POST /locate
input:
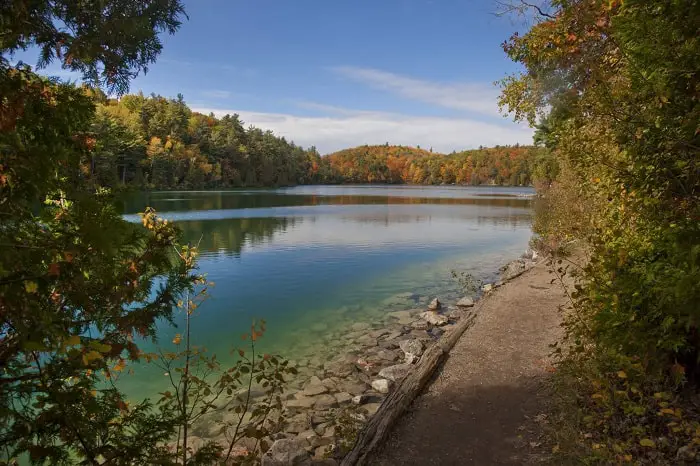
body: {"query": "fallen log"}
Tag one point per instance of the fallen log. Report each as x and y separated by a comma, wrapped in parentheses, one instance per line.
(394, 405)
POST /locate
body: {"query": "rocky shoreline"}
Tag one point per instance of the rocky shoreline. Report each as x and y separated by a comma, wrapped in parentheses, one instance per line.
(339, 389)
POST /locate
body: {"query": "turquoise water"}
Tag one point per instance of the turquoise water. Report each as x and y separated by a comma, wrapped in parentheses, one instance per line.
(324, 257)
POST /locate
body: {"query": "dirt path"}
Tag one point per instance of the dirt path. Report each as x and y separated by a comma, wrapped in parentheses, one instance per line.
(480, 408)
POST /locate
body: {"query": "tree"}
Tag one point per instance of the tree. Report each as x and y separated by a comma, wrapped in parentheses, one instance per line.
(613, 89)
(77, 283)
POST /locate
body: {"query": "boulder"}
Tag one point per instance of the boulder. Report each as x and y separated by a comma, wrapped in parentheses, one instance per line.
(434, 318)
(465, 302)
(301, 402)
(396, 373)
(323, 402)
(340, 368)
(381, 385)
(286, 452)
(434, 305)
(343, 398)
(298, 423)
(314, 387)
(413, 349)
(387, 355)
(353, 387)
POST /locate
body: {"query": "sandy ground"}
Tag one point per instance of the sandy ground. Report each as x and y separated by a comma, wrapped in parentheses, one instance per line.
(481, 407)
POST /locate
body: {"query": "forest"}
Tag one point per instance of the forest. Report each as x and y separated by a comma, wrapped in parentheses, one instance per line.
(151, 142)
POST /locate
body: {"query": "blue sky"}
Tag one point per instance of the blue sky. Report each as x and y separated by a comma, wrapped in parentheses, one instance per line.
(341, 73)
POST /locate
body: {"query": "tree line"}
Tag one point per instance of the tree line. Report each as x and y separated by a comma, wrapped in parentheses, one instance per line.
(152, 142)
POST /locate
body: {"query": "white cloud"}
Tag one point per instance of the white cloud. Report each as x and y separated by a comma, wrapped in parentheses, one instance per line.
(472, 97)
(349, 128)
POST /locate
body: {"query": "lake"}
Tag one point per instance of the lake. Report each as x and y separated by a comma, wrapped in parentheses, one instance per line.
(311, 259)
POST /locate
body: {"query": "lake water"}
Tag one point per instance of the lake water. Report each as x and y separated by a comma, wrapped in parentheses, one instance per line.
(313, 258)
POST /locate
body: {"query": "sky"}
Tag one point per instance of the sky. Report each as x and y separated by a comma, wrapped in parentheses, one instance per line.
(343, 73)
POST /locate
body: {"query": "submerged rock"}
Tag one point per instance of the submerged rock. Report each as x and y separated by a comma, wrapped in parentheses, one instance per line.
(434, 318)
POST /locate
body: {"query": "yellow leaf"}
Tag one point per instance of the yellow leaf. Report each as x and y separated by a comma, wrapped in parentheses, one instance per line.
(119, 366)
(622, 375)
(645, 442)
(91, 356)
(31, 287)
(72, 341)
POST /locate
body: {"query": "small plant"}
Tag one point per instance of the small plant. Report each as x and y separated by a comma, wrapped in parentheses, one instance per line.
(203, 394)
(348, 422)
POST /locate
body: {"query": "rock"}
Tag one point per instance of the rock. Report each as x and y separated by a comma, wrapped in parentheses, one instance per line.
(298, 423)
(343, 398)
(353, 387)
(388, 355)
(393, 335)
(413, 349)
(436, 332)
(371, 408)
(360, 399)
(301, 402)
(340, 368)
(329, 432)
(530, 254)
(434, 305)
(323, 402)
(465, 302)
(314, 387)
(434, 318)
(399, 314)
(515, 268)
(379, 333)
(306, 435)
(421, 324)
(395, 373)
(359, 326)
(286, 452)
(323, 452)
(323, 462)
(381, 385)
(487, 287)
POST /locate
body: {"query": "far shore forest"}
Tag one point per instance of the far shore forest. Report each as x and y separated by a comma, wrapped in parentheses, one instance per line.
(153, 142)
(612, 88)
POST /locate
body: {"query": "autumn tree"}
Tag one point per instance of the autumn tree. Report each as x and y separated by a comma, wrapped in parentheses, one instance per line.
(78, 285)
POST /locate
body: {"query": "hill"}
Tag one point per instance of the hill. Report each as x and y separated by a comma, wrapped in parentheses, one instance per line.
(500, 165)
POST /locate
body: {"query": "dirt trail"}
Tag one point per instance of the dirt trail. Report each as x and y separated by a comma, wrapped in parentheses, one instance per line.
(479, 409)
